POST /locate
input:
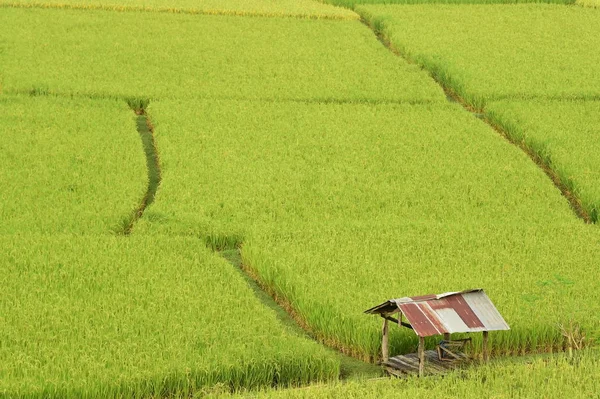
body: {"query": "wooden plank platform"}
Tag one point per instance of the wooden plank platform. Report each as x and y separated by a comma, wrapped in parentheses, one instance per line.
(404, 365)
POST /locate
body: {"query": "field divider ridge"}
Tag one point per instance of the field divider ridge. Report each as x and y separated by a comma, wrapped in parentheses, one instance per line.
(230, 249)
(561, 181)
(455, 94)
(169, 10)
(323, 101)
(146, 132)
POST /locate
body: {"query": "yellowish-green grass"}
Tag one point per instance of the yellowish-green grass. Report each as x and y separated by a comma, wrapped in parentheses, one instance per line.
(275, 8)
(542, 377)
(354, 3)
(96, 53)
(486, 53)
(589, 3)
(101, 316)
(339, 207)
(68, 165)
(566, 134)
(337, 167)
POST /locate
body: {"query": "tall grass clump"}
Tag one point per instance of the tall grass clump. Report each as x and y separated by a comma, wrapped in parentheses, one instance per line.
(588, 3)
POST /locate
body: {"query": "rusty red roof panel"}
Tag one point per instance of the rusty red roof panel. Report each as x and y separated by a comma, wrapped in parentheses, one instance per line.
(419, 320)
(465, 311)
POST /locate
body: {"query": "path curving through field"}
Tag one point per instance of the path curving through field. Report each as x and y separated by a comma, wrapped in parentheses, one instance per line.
(146, 132)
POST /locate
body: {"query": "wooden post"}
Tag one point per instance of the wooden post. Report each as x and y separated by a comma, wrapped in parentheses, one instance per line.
(385, 354)
(421, 356)
(485, 346)
(446, 336)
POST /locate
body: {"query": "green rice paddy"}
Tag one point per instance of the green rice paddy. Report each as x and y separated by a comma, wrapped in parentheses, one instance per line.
(68, 165)
(271, 8)
(566, 134)
(201, 198)
(101, 316)
(535, 378)
(94, 53)
(354, 195)
(589, 3)
(354, 3)
(519, 54)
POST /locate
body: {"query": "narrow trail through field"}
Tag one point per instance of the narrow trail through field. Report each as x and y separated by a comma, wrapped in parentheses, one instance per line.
(574, 202)
(351, 368)
(146, 132)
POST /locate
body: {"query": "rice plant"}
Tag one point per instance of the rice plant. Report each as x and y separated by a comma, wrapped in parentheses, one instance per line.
(589, 3)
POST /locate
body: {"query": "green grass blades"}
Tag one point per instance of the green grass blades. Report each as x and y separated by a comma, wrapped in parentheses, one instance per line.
(589, 3)
(353, 3)
(486, 53)
(535, 377)
(68, 165)
(374, 202)
(138, 317)
(274, 8)
(566, 134)
(199, 56)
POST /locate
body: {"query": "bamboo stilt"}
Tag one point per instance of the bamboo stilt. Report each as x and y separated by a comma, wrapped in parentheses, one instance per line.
(385, 354)
(421, 356)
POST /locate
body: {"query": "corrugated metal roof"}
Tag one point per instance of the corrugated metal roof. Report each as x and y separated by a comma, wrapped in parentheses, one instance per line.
(450, 312)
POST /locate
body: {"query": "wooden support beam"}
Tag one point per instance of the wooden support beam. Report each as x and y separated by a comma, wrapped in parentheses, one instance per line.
(396, 321)
(485, 346)
(421, 356)
(385, 354)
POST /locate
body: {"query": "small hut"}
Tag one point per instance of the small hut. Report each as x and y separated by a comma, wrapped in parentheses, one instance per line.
(452, 312)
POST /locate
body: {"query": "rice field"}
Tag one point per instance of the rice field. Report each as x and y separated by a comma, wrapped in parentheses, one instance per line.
(231, 57)
(337, 163)
(271, 8)
(74, 165)
(520, 55)
(353, 3)
(326, 155)
(566, 134)
(101, 316)
(373, 206)
(589, 3)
